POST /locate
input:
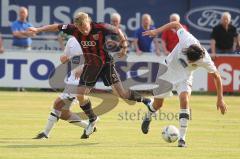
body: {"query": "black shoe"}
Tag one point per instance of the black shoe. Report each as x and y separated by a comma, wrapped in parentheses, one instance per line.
(41, 136)
(145, 125)
(181, 143)
(148, 102)
(85, 136)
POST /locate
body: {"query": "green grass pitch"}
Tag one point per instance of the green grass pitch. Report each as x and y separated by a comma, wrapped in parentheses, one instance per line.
(210, 135)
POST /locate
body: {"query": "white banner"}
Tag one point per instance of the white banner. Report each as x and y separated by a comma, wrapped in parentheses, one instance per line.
(31, 69)
(26, 68)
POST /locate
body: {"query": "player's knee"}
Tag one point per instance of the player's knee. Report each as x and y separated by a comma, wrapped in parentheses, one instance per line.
(58, 104)
(82, 99)
(157, 103)
(123, 95)
(65, 115)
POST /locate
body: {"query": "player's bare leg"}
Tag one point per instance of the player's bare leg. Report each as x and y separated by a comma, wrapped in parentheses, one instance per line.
(155, 106)
(183, 117)
(52, 119)
(73, 118)
(129, 94)
(59, 112)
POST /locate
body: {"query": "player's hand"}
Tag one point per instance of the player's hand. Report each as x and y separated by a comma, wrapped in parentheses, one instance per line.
(151, 33)
(78, 73)
(30, 34)
(33, 30)
(222, 106)
(138, 52)
(166, 53)
(158, 52)
(1, 50)
(64, 58)
(213, 56)
(122, 52)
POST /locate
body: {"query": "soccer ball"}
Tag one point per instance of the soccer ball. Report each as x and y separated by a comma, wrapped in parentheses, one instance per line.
(170, 133)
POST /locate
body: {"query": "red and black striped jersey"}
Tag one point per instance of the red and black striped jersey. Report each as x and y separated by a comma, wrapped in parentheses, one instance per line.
(92, 44)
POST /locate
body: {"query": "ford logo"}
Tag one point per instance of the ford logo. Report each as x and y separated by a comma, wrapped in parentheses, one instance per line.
(205, 18)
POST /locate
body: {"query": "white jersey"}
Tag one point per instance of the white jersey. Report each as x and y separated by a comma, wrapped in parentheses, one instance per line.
(72, 48)
(179, 69)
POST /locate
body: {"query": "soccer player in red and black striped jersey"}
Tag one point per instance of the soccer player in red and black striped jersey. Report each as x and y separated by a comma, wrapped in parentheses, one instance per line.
(98, 62)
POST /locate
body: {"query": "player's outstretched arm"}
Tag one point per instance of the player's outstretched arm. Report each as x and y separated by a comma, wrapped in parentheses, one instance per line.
(123, 43)
(155, 32)
(218, 84)
(45, 28)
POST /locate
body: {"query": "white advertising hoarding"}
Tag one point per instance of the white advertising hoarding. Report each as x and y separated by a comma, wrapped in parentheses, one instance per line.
(31, 69)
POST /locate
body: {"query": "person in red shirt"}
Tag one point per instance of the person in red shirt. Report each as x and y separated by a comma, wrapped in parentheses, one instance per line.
(169, 37)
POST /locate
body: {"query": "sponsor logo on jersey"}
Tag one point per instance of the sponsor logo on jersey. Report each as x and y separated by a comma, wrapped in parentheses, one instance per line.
(183, 62)
(86, 44)
(76, 60)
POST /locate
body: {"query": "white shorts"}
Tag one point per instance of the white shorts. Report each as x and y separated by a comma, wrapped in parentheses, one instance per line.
(183, 86)
(180, 87)
(72, 48)
(171, 80)
(67, 97)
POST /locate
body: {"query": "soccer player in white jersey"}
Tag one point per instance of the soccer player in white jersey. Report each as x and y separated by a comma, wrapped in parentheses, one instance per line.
(186, 57)
(62, 104)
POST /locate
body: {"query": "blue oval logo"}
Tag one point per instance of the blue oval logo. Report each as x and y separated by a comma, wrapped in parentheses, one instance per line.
(205, 18)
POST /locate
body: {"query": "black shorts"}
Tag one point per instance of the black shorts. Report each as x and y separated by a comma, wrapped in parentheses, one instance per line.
(92, 73)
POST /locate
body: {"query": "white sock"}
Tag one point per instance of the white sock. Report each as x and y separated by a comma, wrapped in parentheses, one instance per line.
(76, 120)
(183, 123)
(52, 119)
(152, 108)
(152, 112)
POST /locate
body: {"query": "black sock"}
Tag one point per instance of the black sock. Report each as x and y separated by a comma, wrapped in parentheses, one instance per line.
(146, 100)
(135, 96)
(87, 108)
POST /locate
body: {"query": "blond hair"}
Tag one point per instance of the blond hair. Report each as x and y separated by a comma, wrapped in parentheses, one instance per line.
(146, 15)
(176, 16)
(116, 15)
(227, 14)
(81, 18)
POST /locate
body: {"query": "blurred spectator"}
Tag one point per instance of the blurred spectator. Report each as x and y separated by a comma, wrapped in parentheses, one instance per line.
(224, 36)
(62, 39)
(144, 43)
(1, 44)
(21, 37)
(238, 44)
(116, 21)
(169, 37)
